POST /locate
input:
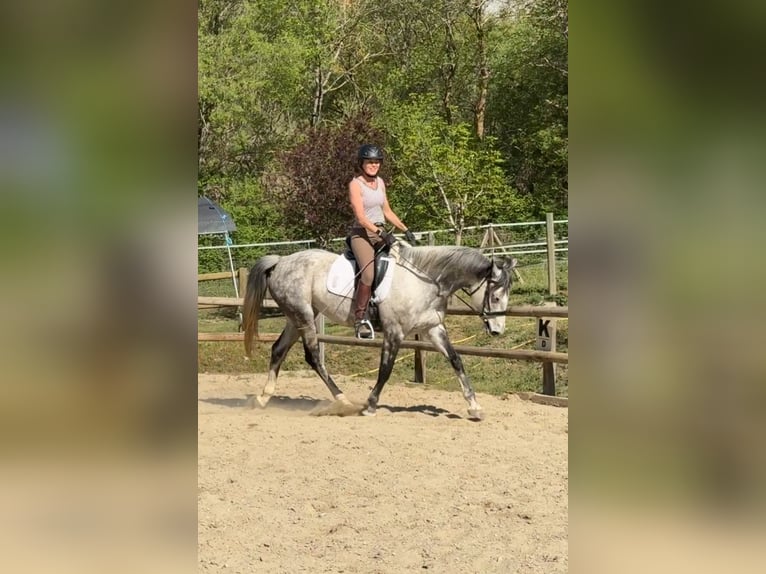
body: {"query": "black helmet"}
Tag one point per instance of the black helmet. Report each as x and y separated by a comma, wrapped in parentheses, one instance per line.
(369, 151)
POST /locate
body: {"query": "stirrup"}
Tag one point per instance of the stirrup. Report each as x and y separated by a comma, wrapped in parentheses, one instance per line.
(364, 329)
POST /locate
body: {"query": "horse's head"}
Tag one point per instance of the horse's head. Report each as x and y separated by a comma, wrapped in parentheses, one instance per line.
(493, 297)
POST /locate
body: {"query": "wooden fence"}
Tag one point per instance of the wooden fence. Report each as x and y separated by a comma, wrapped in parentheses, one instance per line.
(548, 357)
(545, 352)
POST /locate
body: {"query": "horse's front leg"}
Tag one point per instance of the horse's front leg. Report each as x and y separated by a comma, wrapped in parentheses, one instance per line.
(391, 342)
(439, 338)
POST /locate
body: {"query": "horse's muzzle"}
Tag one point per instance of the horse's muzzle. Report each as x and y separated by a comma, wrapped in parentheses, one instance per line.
(494, 331)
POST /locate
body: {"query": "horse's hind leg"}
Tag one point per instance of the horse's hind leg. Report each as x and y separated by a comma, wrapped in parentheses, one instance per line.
(311, 354)
(278, 353)
(439, 338)
(391, 344)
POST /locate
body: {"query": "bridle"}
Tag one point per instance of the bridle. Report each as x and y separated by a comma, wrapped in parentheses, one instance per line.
(485, 313)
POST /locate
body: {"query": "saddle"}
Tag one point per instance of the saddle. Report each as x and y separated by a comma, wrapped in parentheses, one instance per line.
(342, 279)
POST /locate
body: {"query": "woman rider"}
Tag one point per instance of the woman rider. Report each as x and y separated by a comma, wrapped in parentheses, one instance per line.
(367, 194)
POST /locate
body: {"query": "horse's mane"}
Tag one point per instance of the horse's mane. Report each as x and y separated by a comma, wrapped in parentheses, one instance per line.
(448, 265)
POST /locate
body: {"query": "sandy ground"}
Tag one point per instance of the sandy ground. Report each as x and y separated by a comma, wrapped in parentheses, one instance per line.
(418, 487)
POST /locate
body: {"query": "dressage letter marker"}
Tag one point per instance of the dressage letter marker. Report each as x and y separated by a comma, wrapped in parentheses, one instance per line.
(546, 341)
(546, 334)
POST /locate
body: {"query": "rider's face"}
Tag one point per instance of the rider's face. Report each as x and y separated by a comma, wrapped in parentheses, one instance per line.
(370, 166)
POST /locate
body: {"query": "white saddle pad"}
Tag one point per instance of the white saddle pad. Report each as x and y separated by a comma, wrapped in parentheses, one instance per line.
(340, 279)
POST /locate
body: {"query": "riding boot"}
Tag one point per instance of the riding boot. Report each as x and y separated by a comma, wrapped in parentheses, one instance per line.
(362, 326)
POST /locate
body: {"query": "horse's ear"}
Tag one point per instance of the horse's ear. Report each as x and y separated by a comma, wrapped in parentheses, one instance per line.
(509, 263)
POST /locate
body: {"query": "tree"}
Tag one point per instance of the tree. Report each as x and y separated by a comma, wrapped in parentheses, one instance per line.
(337, 31)
(248, 89)
(493, 139)
(478, 14)
(440, 47)
(310, 182)
(530, 94)
(443, 175)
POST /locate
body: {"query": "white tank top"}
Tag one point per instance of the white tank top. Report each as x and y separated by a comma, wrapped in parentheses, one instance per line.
(372, 200)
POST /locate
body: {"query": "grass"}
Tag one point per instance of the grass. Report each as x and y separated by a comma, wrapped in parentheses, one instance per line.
(488, 375)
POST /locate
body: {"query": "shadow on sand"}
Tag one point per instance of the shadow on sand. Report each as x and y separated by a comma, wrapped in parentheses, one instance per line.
(323, 407)
(429, 410)
(301, 403)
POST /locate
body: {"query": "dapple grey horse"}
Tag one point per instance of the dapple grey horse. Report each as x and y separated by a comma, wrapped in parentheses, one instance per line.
(423, 281)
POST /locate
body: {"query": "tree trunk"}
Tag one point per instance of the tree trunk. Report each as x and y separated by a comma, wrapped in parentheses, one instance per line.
(482, 84)
(459, 224)
(318, 96)
(449, 67)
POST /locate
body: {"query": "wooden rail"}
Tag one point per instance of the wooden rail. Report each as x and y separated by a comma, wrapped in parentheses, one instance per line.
(512, 311)
(232, 302)
(526, 355)
(213, 276)
(263, 337)
(548, 358)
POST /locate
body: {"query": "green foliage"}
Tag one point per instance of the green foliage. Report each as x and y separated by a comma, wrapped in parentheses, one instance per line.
(249, 91)
(275, 75)
(444, 177)
(432, 51)
(530, 110)
(316, 172)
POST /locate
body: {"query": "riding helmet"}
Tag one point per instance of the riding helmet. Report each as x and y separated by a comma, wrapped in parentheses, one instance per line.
(369, 151)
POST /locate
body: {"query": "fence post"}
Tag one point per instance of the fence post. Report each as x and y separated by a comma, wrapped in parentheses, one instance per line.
(546, 341)
(243, 274)
(487, 238)
(319, 322)
(420, 364)
(550, 237)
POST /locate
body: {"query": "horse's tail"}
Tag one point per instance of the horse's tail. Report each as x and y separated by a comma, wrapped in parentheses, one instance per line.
(257, 283)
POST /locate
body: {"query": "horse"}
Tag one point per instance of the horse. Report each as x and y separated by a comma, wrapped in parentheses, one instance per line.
(424, 279)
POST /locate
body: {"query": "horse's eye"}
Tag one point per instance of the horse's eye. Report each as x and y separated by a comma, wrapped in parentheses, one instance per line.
(495, 299)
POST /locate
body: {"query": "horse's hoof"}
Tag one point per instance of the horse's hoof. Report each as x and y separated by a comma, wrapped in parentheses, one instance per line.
(476, 414)
(368, 412)
(341, 399)
(260, 401)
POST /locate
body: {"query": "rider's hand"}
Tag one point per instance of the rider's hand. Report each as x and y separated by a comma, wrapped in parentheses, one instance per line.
(387, 237)
(410, 237)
